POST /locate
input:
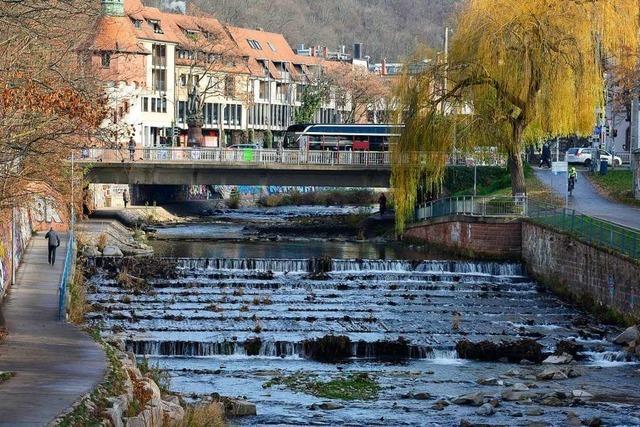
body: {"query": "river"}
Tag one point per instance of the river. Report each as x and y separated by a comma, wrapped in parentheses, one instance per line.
(240, 310)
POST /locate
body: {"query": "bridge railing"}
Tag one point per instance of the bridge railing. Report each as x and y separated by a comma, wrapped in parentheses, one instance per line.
(241, 155)
(485, 206)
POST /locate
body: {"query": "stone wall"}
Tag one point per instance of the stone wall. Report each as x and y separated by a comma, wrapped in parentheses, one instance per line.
(601, 281)
(472, 236)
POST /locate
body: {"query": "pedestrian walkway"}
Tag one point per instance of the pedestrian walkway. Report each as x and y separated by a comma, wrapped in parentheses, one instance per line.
(54, 362)
(587, 200)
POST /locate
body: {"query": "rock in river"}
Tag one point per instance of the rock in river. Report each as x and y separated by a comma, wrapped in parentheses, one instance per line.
(563, 359)
(473, 399)
(629, 335)
(485, 410)
(512, 351)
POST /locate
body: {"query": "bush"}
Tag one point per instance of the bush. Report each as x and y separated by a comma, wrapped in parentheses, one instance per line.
(159, 376)
(102, 241)
(268, 139)
(77, 297)
(234, 199)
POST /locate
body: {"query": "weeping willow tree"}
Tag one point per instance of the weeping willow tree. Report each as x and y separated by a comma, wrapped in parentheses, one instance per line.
(517, 70)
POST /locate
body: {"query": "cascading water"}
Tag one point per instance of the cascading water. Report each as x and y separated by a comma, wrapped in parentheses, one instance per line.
(228, 325)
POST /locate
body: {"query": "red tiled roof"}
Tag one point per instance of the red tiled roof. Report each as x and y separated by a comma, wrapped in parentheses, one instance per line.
(116, 34)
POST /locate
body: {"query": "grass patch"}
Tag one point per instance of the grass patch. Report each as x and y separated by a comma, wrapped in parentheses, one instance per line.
(360, 386)
(6, 376)
(536, 190)
(207, 415)
(77, 296)
(616, 185)
(357, 197)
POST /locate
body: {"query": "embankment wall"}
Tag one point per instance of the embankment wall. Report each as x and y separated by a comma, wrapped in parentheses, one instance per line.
(471, 236)
(600, 280)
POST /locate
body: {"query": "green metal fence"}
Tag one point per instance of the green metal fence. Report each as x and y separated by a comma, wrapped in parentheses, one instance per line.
(603, 233)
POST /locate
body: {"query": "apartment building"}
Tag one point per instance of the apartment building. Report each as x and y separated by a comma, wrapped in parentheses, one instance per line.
(246, 78)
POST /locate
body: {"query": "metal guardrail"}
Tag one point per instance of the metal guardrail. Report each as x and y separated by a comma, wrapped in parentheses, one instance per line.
(593, 230)
(583, 227)
(485, 206)
(241, 155)
(66, 277)
(263, 156)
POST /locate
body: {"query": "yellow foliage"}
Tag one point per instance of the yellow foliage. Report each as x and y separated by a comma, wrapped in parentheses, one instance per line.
(518, 71)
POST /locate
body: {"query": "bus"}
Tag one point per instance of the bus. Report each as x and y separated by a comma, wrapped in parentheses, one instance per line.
(332, 137)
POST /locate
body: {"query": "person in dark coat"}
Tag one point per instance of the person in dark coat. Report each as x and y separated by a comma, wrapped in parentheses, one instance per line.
(54, 242)
(382, 200)
(546, 156)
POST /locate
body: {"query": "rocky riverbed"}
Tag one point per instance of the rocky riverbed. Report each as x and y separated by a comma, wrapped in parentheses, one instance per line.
(318, 332)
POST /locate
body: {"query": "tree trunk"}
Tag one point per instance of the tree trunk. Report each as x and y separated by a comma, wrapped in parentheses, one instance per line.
(516, 167)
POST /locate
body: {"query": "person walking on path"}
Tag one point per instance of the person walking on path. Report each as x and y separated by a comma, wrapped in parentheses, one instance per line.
(54, 242)
(546, 156)
(125, 198)
(382, 200)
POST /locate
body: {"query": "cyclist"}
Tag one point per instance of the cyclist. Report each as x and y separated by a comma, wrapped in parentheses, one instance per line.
(573, 178)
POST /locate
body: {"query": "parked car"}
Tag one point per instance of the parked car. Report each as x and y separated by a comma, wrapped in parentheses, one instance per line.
(584, 155)
(245, 147)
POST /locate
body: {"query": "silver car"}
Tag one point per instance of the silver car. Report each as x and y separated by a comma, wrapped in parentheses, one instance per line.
(584, 155)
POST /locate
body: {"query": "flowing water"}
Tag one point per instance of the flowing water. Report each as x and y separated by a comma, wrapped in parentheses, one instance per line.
(203, 327)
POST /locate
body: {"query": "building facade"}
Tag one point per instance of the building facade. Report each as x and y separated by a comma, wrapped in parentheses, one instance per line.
(247, 79)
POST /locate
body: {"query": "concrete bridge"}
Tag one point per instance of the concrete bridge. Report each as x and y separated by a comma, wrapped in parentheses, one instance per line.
(212, 166)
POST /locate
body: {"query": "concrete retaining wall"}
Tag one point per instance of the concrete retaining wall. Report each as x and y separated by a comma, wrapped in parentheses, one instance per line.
(601, 281)
(472, 236)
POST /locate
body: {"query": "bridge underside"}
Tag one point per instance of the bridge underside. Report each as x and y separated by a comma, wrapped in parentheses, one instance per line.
(148, 173)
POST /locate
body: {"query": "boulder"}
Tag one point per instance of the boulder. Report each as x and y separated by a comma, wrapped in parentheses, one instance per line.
(582, 394)
(511, 351)
(569, 347)
(629, 335)
(238, 407)
(172, 413)
(573, 419)
(511, 395)
(485, 410)
(90, 251)
(112, 251)
(472, 399)
(563, 359)
(490, 381)
(422, 396)
(330, 406)
(534, 412)
(519, 387)
(551, 401)
(118, 406)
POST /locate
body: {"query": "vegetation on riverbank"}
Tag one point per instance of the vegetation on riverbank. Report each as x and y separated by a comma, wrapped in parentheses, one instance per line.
(358, 197)
(616, 185)
(359, 386)
(77, 296)
(210, 415)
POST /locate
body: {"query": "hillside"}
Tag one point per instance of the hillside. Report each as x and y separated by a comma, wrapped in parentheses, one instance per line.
(388, 28)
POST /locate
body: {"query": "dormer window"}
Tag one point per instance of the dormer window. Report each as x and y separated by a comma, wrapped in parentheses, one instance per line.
(254, 44)
(155, 24)
(271, 46)
(137, 23)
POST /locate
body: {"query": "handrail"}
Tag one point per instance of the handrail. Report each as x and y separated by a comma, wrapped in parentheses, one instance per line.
(259, 156)
(66, 275)
(485, 206)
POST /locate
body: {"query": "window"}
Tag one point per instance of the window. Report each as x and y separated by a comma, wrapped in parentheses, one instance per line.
(159, 80)
(182, 111)
(136, 23)
(271, 46)
(155, 24)
(254, 44)
(145, 104)
(106, 59)
(183, 80)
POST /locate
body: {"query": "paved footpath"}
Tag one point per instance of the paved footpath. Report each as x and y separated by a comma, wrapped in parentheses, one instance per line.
(588, 201)
(55, 363)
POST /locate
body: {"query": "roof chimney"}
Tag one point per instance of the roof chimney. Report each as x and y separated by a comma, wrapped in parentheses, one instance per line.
(357, 51)
(384, 67)
(325, 52)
